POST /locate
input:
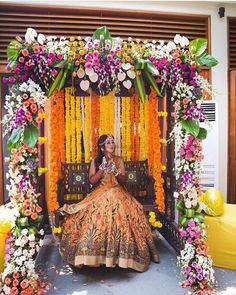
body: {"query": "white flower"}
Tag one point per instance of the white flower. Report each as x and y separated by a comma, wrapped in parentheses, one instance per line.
(41, 38)
(176, 195)
(30, 35)
(170, 46)
(24, 231)
(177, 38)
(184, 41)
(31, 237)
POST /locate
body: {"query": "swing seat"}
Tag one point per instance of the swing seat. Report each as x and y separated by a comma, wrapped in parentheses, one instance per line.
(74, 186)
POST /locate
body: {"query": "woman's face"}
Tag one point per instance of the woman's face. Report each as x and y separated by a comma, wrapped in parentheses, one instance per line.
(109, 145)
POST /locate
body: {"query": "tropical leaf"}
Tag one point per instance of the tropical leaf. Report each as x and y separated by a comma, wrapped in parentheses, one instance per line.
(139, 86)
(191, 126)
(198, 46)
(151, 81)
(207, 60)
(202, 133)
(59, 63)
(56, 82)
(30, 136)
(13, 53)
(65, 76)
(14, 139)
(102, 34)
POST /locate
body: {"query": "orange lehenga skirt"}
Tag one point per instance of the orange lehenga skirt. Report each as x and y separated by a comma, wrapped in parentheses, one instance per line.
(108, 227)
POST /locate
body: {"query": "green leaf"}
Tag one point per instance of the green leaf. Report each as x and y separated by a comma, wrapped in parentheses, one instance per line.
(102, 34)
(31, 134)
(207, 60)
(202, 133)
(14, 139)
(191, 127)
(59, 63)
(13, 53)
(56, 82)
(150, 79)
(65, 76)
(139, 87)
(198, 46)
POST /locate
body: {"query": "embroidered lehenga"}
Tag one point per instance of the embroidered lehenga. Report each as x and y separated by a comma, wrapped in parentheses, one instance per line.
(108, 227)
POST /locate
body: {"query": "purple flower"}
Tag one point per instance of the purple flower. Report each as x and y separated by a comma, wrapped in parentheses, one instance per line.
(11, 80)
(199, 277)
(4, 80)
(187, 269)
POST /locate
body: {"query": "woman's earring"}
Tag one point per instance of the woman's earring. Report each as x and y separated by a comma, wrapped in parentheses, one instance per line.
(102, 149)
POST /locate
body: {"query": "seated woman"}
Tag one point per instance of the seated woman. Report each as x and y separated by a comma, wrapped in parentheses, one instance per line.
(109, 226)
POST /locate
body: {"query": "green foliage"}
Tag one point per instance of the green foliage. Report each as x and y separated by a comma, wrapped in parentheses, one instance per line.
(30, 136)
(13, 53)
(191, 127)
(207, 60)
(102, 34)
(198, 46)
(139, 87)
(202, 133)
(14, 139)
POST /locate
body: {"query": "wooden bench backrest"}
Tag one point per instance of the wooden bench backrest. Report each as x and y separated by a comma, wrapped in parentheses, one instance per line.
(75, 180)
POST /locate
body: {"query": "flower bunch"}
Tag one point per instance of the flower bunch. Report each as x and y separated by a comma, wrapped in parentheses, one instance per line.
(24, 106)
(24, 240)
(153, 221)
(195, 264)
(31, 59)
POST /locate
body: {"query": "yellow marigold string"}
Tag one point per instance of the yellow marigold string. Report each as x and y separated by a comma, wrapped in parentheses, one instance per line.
(132, 128)
(136, 121)
(78, 131)
(42, 170)
(86, 129)
(95, 121)
(72, 132)
(153, 221)
(123, 124)
(142, 146)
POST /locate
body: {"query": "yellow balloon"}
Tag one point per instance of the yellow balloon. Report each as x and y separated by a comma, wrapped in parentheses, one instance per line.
(214, 200)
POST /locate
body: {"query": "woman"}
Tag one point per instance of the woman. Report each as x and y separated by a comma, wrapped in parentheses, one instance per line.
(109, 226)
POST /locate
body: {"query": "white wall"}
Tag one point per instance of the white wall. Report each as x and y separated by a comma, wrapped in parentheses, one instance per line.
(219, 51)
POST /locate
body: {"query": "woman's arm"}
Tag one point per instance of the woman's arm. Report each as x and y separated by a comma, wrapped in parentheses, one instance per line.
(94, 176)
(121, 175)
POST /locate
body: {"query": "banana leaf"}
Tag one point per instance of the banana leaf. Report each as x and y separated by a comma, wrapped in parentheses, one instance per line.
(139, 86)
(65, 76)
(56, 82)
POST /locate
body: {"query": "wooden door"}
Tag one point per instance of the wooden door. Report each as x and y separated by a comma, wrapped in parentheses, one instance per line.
(231, 195)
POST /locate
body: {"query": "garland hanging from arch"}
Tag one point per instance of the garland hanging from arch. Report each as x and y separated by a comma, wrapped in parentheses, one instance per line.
(104, 63)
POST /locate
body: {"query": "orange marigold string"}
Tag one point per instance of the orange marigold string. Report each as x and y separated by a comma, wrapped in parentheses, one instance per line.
(154, 150)
(57, 153)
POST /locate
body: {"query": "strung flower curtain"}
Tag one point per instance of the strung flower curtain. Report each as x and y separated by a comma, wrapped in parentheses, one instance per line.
(134, 125)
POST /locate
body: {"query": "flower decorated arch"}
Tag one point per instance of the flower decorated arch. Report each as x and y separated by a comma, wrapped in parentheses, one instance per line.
(41, 65)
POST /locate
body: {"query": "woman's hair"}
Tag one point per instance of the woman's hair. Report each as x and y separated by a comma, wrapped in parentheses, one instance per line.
(100, 150)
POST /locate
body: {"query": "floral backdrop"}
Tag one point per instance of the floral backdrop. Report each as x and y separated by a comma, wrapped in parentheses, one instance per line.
(39, 65)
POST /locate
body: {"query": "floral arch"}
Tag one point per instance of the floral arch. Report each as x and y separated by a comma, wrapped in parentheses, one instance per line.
(41, 66)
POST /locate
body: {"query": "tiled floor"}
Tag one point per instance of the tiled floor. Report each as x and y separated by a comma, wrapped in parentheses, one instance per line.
(159, 279)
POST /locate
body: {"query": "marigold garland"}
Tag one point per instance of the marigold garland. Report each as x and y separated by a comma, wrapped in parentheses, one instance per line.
(56, 146)
(86, 132)
(73, 130)
(78, 130)
(126, 124)
(95, 121)
(67, 127)
(117, 122)
(154, 150)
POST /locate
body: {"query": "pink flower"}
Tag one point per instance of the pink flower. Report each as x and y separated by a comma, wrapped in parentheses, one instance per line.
(25, 52)
(88, 65)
